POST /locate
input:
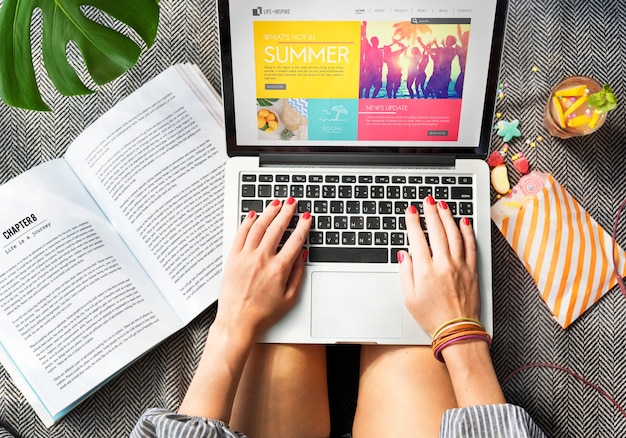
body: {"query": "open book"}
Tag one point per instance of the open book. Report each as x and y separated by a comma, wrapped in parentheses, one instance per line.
(113, 248)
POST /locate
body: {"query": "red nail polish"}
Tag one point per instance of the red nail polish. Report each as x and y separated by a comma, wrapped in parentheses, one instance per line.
(251, 214)
(443, 205)
(290, 200)
(400, 257)
(275, 202)
(466, 221)
(305, 255)
(412, 209)
(430, 200)
(306, 215)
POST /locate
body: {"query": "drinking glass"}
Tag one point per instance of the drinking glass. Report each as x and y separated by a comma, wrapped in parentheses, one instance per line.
(568, 113)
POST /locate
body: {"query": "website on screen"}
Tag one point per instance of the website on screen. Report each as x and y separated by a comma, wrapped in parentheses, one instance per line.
(354, 75)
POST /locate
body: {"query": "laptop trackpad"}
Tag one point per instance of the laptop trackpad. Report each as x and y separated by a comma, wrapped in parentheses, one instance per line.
(356, 305)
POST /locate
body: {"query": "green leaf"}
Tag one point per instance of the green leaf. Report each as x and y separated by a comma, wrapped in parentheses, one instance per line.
(604, 100)
(266, 101)
(597, 99)
(107, 53)
(287, 134)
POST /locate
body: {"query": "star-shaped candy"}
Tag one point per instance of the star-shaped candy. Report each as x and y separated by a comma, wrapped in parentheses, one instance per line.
(508, 130)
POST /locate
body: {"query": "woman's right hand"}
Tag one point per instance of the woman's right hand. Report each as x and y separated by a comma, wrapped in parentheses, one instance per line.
(440, 284)
(440, 280)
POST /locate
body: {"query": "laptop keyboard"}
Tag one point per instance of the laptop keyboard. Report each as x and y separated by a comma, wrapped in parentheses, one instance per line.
(355, 217)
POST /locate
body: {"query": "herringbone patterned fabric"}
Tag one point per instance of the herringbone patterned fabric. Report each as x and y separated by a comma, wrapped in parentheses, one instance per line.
(559, 38)
(546, 41)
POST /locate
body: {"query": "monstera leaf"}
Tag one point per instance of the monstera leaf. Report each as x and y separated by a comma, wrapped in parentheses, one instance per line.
(107, 54)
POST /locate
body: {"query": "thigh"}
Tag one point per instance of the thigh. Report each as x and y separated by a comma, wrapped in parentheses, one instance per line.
(283, 393)
(403, 391)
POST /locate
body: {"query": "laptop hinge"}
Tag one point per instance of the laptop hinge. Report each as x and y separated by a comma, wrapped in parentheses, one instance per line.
(311, 159)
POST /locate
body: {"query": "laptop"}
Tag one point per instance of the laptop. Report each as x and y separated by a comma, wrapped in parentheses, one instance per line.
(359, 109)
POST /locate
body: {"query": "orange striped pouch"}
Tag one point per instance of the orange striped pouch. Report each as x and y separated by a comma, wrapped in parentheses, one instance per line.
(563, 248)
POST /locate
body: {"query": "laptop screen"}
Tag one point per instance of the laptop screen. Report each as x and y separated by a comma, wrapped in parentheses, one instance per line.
(360, 76)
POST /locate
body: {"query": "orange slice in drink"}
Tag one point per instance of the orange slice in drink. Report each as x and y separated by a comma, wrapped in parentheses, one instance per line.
(594, 119)
(578, 121)
(578, 90)
(575, 105)
(558, 109)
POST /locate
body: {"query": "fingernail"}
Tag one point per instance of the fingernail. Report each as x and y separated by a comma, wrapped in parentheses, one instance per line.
(443, 205)
(466, 221)
(290, 200)
(305, 255)
(251, 214)
(412, 209)
(275, 202)
(430, 200)
(400, 256)
(306, 215)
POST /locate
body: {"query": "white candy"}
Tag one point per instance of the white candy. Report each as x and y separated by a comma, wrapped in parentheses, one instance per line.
(500, 179)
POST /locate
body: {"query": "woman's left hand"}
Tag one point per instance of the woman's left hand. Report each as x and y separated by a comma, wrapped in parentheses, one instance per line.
(260, 284)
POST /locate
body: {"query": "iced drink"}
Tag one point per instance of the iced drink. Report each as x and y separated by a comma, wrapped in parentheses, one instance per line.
(568, 112)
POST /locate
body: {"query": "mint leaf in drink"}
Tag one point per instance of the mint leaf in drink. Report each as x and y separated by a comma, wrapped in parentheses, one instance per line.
(604, 100)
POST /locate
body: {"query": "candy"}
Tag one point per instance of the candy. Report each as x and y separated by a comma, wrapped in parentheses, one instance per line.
(521, 164)
(495, 159)
(500, 179)
(530, 184)
(508, 130)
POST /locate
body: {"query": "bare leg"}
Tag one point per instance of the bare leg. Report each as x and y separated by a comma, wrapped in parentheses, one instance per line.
(402, 391)
(283, 393)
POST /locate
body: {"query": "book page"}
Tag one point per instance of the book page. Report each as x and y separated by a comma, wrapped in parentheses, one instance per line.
(75, 306)
(154, 163)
